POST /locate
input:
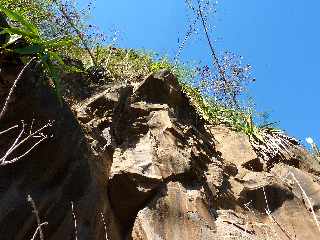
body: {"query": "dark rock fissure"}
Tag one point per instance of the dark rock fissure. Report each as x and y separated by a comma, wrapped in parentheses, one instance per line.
(268, 198)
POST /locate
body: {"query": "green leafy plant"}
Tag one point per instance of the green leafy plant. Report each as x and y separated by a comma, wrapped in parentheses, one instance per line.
(54, 30)
(134, 65)
(268, 141)
(46, 51)
(61, 19)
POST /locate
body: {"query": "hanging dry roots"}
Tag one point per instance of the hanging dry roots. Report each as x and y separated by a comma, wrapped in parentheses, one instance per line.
(274, 143)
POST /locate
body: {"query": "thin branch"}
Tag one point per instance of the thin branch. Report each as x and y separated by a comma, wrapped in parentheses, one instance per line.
(75, 222)
(104, 225)
(307, 199)
(187, 36)
(24, 154)
(78, 32)
(15, 143)
(31, 126)
(268, 212)
(38, 230)
(18, 142)
(264, 226)
(39, 131)
(36, 213)
(213, 52)
(9, 129)
(5, 107)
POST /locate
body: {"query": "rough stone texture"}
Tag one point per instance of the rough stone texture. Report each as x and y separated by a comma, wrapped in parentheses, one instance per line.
(140, 156)
(177, 212)
(238, 151)
(60, 170)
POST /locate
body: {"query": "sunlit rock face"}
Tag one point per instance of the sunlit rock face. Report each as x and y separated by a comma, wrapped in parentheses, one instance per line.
(136, 161)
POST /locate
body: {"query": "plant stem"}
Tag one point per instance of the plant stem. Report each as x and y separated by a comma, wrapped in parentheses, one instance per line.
(78, 32)
(5, 106)
(213, 53)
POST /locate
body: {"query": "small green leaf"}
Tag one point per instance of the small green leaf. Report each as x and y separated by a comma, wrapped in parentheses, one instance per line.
(53, 73)
(54, 57)
(11, 39)
(72, 69)
(32, 49)
(21, 32)
(14, 16)
(57, 43)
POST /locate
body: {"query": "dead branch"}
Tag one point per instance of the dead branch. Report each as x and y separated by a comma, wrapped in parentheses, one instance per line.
(305, 196)
(104, 225)
(21, 139)
(5, 106)
(77, 31)
(75, 221)
(36, 213)
(272, 218)
(38, 230)
(213, 52)
(9, 129)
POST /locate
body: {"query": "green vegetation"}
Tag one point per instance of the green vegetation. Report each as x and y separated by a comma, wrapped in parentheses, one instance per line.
(59, 19)
(119, 64)
(55, 32)
(134, 65)
(26, 7)
(217, 113)
(45, 51)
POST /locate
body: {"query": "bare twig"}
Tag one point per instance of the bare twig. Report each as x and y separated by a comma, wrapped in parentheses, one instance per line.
(19, 141)
(213, 52)
(315, 149)
(192, 29)
(38, 230)
(36, 213)
(78, 32)
(9, 129)
(263, 226)
(104, 225)
(307, 199)
(268, 212)
(5, 106)
(75, 221)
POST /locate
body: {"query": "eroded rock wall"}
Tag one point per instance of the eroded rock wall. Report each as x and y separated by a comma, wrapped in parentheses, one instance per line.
(139, 163)
(60, 170)
(175, 177)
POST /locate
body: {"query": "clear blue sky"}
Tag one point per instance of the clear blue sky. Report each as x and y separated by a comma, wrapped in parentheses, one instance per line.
(279, 38)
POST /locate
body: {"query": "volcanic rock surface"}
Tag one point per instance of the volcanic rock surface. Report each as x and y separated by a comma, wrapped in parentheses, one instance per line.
(137, 162)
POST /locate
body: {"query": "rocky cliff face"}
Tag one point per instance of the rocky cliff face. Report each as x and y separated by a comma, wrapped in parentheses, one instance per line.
(137, 162)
